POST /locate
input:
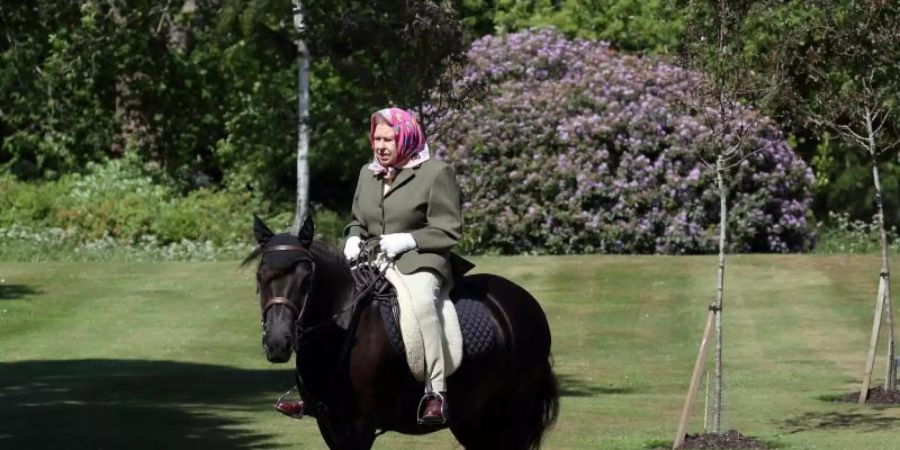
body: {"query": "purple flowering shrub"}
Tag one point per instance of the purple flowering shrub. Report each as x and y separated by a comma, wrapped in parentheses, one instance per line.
(581, 149)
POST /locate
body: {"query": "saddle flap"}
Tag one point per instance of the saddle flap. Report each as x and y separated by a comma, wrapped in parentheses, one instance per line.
(469, 328)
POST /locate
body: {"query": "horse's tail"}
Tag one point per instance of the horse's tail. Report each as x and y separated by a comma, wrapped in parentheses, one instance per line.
(543, 407)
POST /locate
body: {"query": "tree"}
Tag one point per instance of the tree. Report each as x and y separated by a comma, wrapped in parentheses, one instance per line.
(855, 63)
(204, 91)
(714, 46)
(810, 40)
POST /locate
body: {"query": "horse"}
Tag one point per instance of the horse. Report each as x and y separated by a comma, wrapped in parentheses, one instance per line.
(357, 387)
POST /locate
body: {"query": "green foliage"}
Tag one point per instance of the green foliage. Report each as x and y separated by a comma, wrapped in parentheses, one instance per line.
(208, 94)
(365, 59)
(841, 234)
(53, 114)
(329, 225)
(339, 143)
(852, 191)
(824, 55)
(853, 71)
(117, 210)
(634, 25)
(476, 16)
(206, 97)
(55, 244)
(823, 161)
(119, 200)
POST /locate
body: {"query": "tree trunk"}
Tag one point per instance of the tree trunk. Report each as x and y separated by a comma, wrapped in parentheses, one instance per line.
(179, 30)
(302, 122)
(716, 423)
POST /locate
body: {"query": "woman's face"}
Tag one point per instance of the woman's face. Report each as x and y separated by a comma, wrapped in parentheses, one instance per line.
(384, 145)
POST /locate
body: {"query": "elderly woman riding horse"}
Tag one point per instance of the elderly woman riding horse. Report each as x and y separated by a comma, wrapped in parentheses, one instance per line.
(348, 374)
(412, 202)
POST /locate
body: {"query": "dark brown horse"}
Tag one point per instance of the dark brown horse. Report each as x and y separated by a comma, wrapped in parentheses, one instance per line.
(355, 384)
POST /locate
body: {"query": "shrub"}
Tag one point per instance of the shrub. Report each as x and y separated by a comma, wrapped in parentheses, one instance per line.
(581, 149)
(117, 210)
(18, 243)
(840, 234)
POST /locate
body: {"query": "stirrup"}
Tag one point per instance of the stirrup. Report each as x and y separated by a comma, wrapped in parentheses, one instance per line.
(292, 414)
(289, 412)
(444, 411)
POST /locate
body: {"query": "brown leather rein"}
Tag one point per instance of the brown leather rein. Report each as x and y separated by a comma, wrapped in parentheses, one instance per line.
(283, 300)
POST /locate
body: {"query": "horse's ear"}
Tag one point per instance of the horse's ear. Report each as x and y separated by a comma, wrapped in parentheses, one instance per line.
(261, 232)
(307, 231)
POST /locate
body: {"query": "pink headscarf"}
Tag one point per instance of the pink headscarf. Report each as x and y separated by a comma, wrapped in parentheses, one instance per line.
(411, 147)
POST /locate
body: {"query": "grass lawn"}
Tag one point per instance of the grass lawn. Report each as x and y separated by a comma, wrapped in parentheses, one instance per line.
(167, 355)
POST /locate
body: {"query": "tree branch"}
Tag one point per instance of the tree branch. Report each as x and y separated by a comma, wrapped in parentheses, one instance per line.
(848, 131)
(744, 158)
(885, 113)
(888, 147)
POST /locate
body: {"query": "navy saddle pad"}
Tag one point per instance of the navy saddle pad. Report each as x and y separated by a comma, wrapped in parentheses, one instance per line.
(478, 328)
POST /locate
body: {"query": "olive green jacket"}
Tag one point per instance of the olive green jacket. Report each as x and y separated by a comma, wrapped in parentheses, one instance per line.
(424, 201)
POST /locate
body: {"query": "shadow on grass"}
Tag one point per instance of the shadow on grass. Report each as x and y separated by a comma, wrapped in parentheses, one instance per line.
(16, 291)
(132, 404)
(834, 420)
(571, 386)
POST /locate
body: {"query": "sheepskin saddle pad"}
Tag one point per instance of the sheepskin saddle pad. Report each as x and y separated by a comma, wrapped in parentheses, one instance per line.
(469, 329)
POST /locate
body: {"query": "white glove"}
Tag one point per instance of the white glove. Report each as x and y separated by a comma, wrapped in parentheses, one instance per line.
(351, 248)
(397, 243)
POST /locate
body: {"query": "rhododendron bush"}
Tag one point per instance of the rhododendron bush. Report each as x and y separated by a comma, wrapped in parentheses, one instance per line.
(579, 148)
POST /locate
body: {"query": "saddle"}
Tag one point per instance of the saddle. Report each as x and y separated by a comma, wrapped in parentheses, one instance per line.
(469, 328)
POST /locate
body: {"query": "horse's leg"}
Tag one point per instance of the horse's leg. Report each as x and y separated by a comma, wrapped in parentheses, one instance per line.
(351, 425)
(476, 432)
(509, 422)
(347, 434)
(326, 429)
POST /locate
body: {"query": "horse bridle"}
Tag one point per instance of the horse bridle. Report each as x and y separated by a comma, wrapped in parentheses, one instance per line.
(361, 292)
(364, 287)
(278, 300)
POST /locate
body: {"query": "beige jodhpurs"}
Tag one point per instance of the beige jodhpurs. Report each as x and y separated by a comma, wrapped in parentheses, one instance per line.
(427, 289)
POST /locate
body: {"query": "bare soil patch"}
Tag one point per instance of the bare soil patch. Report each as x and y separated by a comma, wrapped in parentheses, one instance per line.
(877, 396)
(729, 439)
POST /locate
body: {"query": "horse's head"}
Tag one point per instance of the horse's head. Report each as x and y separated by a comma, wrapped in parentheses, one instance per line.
(284, 281)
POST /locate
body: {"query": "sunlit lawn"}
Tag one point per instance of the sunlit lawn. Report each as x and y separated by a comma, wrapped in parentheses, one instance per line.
(167, 355)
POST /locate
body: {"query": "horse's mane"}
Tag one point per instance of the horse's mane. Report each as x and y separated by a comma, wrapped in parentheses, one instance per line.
(326, 255)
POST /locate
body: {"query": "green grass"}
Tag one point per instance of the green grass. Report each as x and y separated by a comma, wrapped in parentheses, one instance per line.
(167, 355)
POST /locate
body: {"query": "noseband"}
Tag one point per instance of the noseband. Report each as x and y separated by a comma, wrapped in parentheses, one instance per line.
(284, 300)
